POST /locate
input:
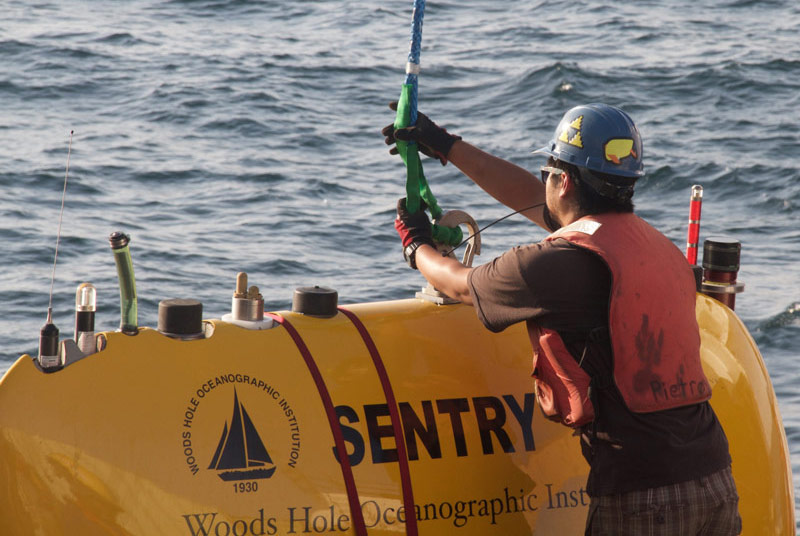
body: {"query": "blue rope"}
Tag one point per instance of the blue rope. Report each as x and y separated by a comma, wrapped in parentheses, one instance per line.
(413, 56)
(417, 189)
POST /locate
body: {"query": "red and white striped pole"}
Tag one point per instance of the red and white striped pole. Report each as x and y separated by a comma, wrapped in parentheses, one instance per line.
(694, 224)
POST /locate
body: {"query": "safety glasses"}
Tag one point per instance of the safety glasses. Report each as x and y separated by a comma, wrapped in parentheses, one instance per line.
(547, 170)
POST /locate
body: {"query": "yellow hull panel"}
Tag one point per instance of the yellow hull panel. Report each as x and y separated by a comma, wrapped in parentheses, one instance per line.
(142, 438)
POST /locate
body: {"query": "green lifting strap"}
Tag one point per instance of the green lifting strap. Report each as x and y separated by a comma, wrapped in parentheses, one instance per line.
(417, 188)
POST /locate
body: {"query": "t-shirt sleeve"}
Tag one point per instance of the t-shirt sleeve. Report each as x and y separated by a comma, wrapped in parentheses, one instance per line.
(553, 283)
(501, 290)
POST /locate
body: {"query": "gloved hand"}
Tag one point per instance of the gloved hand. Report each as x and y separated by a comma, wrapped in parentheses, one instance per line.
(432, 139)
(414, 230)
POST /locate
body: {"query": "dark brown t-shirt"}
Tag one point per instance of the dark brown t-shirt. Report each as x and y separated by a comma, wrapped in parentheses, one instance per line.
(560, 286)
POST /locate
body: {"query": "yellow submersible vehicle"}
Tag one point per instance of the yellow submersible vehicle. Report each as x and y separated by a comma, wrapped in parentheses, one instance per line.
(400, 417)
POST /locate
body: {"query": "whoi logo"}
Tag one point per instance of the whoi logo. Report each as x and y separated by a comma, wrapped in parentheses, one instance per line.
(241, 454)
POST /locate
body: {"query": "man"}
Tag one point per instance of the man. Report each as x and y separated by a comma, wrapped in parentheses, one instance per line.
(609, 304)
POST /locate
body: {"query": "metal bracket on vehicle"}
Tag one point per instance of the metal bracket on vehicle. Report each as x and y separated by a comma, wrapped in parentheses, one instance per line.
(453, 218)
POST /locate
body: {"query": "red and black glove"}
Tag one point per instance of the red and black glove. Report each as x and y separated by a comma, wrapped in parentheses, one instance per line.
(432, 139)
(414, 230)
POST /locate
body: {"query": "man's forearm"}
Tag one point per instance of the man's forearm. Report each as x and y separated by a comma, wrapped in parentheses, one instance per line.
(445, 273)
(510, 184)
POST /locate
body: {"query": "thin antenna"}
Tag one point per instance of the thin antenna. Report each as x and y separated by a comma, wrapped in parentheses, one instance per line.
(58, 235)
(49, 358)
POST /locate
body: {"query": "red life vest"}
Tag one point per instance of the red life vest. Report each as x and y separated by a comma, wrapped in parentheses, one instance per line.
(654, 334)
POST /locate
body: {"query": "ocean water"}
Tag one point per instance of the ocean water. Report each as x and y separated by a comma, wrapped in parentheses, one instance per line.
(235, 135)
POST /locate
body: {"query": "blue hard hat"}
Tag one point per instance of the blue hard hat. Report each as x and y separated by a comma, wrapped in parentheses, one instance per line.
(600, 138)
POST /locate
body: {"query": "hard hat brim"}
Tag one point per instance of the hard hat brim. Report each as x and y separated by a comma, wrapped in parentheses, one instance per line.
(545, 150)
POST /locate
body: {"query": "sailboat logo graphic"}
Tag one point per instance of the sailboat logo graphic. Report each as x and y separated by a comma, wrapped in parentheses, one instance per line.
(241, 455)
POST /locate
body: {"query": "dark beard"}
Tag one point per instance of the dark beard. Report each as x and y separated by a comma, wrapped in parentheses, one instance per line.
(551, 223)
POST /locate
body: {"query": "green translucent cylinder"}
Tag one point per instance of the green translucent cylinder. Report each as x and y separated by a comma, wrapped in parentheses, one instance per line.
(129, 323)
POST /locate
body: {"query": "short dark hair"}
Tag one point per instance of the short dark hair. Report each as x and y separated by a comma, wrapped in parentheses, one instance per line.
(588, 199)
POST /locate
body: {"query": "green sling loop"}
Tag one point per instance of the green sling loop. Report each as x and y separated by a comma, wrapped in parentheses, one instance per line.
(417, 188)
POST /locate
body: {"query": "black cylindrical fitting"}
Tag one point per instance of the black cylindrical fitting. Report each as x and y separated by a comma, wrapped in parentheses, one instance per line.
(721, 254)
(720, 269)
(315, 301)
(181, 318)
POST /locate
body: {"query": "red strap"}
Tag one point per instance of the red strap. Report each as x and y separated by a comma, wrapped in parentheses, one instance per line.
(347, 471)
(405, 472)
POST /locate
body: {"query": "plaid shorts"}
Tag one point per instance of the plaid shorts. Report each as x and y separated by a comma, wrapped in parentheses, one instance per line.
(708, 506)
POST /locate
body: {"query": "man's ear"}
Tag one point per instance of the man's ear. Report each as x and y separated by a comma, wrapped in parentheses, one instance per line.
(567, 183)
